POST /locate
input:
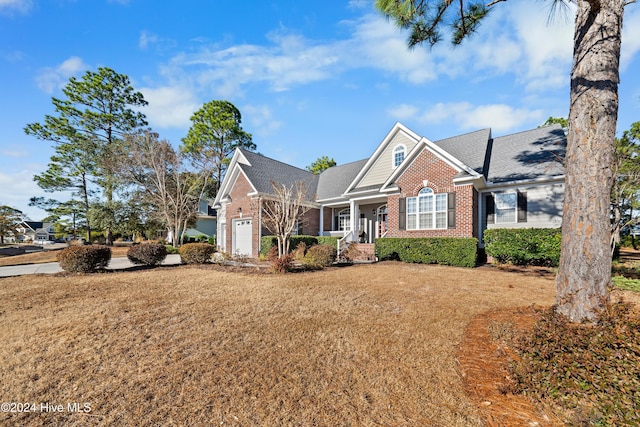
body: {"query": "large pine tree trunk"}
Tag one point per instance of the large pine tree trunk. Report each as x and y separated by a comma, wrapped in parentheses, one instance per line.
(585, 263)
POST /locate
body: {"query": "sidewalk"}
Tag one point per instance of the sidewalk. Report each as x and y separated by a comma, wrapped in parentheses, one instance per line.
(53, 267)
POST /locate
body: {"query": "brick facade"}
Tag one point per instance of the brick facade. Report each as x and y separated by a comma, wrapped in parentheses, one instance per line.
(439, 177)
(242, 206)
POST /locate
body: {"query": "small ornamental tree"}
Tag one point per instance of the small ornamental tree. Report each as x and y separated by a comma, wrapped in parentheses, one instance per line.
(283, 211)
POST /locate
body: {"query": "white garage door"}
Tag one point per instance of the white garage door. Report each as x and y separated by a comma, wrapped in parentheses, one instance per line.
(242, 237)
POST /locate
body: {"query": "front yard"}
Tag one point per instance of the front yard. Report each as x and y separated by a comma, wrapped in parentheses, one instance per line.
(363, 345)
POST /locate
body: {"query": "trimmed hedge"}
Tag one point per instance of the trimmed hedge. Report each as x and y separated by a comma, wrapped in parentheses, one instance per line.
(84, 259)
(147, 253)
(457, 251)
(524, 246)
(268, 241)
(196, 253)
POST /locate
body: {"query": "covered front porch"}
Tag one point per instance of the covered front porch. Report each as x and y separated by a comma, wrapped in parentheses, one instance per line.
(358, 220)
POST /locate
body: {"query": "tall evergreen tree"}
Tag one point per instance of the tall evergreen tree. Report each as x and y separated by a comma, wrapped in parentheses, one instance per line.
(215, 133)
(98, 111)
(584, 274)
(10, 218)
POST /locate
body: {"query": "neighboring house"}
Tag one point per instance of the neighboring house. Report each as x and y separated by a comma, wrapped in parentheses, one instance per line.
(35, 231)
(205, 224)
(409, 187)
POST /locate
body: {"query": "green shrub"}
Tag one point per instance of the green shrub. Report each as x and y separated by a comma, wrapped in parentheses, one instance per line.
(84, 259)
(457, 251)
(524, 246)
(269, 241)
(212, 240)
(591, 370)
(171, 249)
(196, 253)
(147, 254)
(320, 256)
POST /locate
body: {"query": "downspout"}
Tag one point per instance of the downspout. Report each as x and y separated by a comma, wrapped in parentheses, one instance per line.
(259, 224)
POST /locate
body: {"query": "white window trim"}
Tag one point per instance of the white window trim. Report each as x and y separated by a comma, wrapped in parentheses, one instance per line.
(514, 208)
(433, 211)
(398, 148)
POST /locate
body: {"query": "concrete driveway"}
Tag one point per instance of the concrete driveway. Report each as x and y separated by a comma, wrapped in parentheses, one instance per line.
(54, 267)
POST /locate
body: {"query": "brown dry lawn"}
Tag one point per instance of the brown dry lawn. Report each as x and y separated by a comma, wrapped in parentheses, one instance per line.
(50, 256)
(365, 345)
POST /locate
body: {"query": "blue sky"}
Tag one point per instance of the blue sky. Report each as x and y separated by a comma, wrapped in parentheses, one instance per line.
(310, 78)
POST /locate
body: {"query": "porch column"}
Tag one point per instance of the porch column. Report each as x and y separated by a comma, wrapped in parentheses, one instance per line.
(353, 217)
(321, 230)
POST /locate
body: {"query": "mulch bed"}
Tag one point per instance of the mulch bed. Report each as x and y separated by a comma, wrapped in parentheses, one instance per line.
(483, 364)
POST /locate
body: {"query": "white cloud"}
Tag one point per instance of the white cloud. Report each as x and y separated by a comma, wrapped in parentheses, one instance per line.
(169, 106)
(51, 78)
(261, 119)
(377, 43)
(146, 38)
(630, 37)
(20, 6)
(14, 151)
(402, 112)
(499, 117)
(18, 188)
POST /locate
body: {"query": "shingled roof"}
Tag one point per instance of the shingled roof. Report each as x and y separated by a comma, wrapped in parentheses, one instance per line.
(530, 155)
(334, 181)
(534, 154)
(262, 171)
(470, 148)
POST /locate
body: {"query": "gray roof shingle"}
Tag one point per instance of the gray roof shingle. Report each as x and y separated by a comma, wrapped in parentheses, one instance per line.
(334, 181)
(535, 154)
(263, 171)
(470, 148)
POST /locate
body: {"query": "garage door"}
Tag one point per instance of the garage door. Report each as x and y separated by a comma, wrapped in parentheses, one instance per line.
(242, 237)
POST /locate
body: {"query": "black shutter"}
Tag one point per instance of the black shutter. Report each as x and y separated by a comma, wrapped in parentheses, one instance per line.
(522, 206)
(336, 223)
(402, 213)
(490, 209)
(451, 210)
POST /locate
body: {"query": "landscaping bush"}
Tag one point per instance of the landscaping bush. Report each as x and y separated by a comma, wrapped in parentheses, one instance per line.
(282, 264)
(592, 371)
(269, 241)
(320, 256)
(300, 251)
(456, 251)
(171, 250)
(196, 253)
(524, 246)
(84, 259)
(147, 254)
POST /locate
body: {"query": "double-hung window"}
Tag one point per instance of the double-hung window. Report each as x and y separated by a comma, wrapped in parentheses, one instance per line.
(506, 207)
(427, 211)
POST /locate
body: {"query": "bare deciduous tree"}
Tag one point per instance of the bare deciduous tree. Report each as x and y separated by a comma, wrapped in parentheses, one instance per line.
(160, 173)
(282, 212)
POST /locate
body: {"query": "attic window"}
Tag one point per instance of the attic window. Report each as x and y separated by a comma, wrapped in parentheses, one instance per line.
(398, 155)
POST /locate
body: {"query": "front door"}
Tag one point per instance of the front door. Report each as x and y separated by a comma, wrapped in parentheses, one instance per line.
(381, 221)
